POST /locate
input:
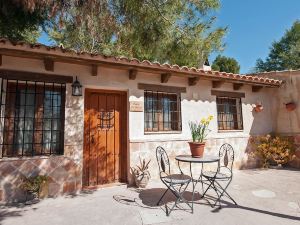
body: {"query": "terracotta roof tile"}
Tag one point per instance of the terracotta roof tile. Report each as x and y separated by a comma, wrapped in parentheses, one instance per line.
(7, 44)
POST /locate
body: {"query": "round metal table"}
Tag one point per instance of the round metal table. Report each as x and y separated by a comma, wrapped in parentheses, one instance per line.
(204, 159)
(189, 159)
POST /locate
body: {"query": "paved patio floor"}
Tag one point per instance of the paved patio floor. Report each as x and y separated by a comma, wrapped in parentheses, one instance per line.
(264, 197)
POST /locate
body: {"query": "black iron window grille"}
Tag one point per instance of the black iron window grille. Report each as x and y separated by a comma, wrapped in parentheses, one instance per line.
(162, 111)
(229, 113)
(32, 118)
(106, 120)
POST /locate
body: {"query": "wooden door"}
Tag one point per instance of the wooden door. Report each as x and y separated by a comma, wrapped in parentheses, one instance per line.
(105, 139)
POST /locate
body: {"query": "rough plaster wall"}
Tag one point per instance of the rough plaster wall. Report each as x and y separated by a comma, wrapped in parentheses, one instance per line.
(196, 103)
(288, 122)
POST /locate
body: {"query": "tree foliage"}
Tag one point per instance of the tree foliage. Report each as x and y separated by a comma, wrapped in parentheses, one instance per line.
(226, 64)
(174, 31)
(285, 53)
(20, 23)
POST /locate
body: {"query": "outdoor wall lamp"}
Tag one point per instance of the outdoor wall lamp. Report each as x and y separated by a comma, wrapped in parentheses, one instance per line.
(76, 88)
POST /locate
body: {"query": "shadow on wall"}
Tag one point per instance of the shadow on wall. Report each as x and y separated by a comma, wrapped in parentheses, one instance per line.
(251, 161)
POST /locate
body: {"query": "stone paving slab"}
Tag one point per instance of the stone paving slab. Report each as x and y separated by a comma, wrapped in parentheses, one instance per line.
(264, 197)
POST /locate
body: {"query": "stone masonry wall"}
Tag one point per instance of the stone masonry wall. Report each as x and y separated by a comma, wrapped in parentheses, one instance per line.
(64, 172)
(147, 150)
(64, 176)
(296, 160)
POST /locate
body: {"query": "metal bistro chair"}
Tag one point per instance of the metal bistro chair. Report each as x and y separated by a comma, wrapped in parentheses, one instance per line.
(224, 173)
(176, 183)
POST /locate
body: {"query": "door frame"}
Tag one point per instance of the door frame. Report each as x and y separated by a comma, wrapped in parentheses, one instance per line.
(123, 135)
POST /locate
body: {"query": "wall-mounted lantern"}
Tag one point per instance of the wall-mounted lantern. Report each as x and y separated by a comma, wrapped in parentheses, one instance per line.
(76, 88)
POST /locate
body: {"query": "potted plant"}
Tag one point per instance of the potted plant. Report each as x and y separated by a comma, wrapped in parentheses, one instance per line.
(199, 132)
(33, 185)
(141, 173)
(291, 106)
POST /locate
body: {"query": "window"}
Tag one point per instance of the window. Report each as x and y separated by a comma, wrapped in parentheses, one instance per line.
(162, 111)
(229, 113)
(32, 118)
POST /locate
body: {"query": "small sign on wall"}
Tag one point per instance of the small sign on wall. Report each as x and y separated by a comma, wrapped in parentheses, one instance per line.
(136, 106)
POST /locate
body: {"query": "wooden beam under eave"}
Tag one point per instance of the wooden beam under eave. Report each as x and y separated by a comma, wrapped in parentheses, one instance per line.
(49, 64)
(132, 74)
(217, 84)
(256, 88)
(94, 70)
(193, 81)
(164, 77)
(237, 86)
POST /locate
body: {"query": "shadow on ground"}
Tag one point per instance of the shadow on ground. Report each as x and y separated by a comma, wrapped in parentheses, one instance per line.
(5, 211)
(148, 198)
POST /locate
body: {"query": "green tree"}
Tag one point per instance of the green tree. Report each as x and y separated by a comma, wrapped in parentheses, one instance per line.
(225, 64)
(174, 31)
(178, 32)
(285, 53)
(20, 24)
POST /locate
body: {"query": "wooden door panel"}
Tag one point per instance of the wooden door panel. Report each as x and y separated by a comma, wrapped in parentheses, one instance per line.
(102, 139)
(110, 147)
(104, 133)
(117, 139)
(93, 144)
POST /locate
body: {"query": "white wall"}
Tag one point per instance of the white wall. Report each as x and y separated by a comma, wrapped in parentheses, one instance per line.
(196, 103)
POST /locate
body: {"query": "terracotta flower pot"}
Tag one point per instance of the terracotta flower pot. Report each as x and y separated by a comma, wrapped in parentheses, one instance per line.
(258, 108)
(290, 106)
(142, 180)
(197, 149)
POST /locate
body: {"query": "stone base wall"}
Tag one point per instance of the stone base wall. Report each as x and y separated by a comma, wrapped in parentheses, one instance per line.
(296, 159)
(147, 150)
(64, 176)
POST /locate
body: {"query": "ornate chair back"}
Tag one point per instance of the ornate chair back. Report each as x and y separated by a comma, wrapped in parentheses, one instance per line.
(226, 154)
(163, 161)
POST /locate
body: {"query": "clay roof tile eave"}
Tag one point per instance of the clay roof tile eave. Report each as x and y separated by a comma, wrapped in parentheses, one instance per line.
(37, 47)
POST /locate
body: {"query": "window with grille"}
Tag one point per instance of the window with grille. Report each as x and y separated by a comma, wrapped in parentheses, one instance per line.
(162, 111)
(32, 118)
(229, 113)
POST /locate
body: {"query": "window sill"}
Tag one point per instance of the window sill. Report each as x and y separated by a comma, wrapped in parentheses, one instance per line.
(162, 132)
(230, 131)
(29, 157)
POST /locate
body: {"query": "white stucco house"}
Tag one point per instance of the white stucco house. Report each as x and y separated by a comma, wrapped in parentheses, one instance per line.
(127, 108)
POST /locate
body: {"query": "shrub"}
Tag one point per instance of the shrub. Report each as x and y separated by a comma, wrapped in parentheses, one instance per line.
(272, 150)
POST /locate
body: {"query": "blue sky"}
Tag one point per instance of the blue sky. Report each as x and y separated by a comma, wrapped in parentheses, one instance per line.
(252, 27)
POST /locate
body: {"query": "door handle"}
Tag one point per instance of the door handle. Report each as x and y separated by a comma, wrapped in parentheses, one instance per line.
(92, 139)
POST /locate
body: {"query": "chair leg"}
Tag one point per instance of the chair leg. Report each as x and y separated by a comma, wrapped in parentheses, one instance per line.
(209, 186)
(162, 196)
(179, 197)
(219, 196)
(224, 191)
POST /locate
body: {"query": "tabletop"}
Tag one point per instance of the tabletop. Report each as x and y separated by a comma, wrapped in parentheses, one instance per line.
(204, 159)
